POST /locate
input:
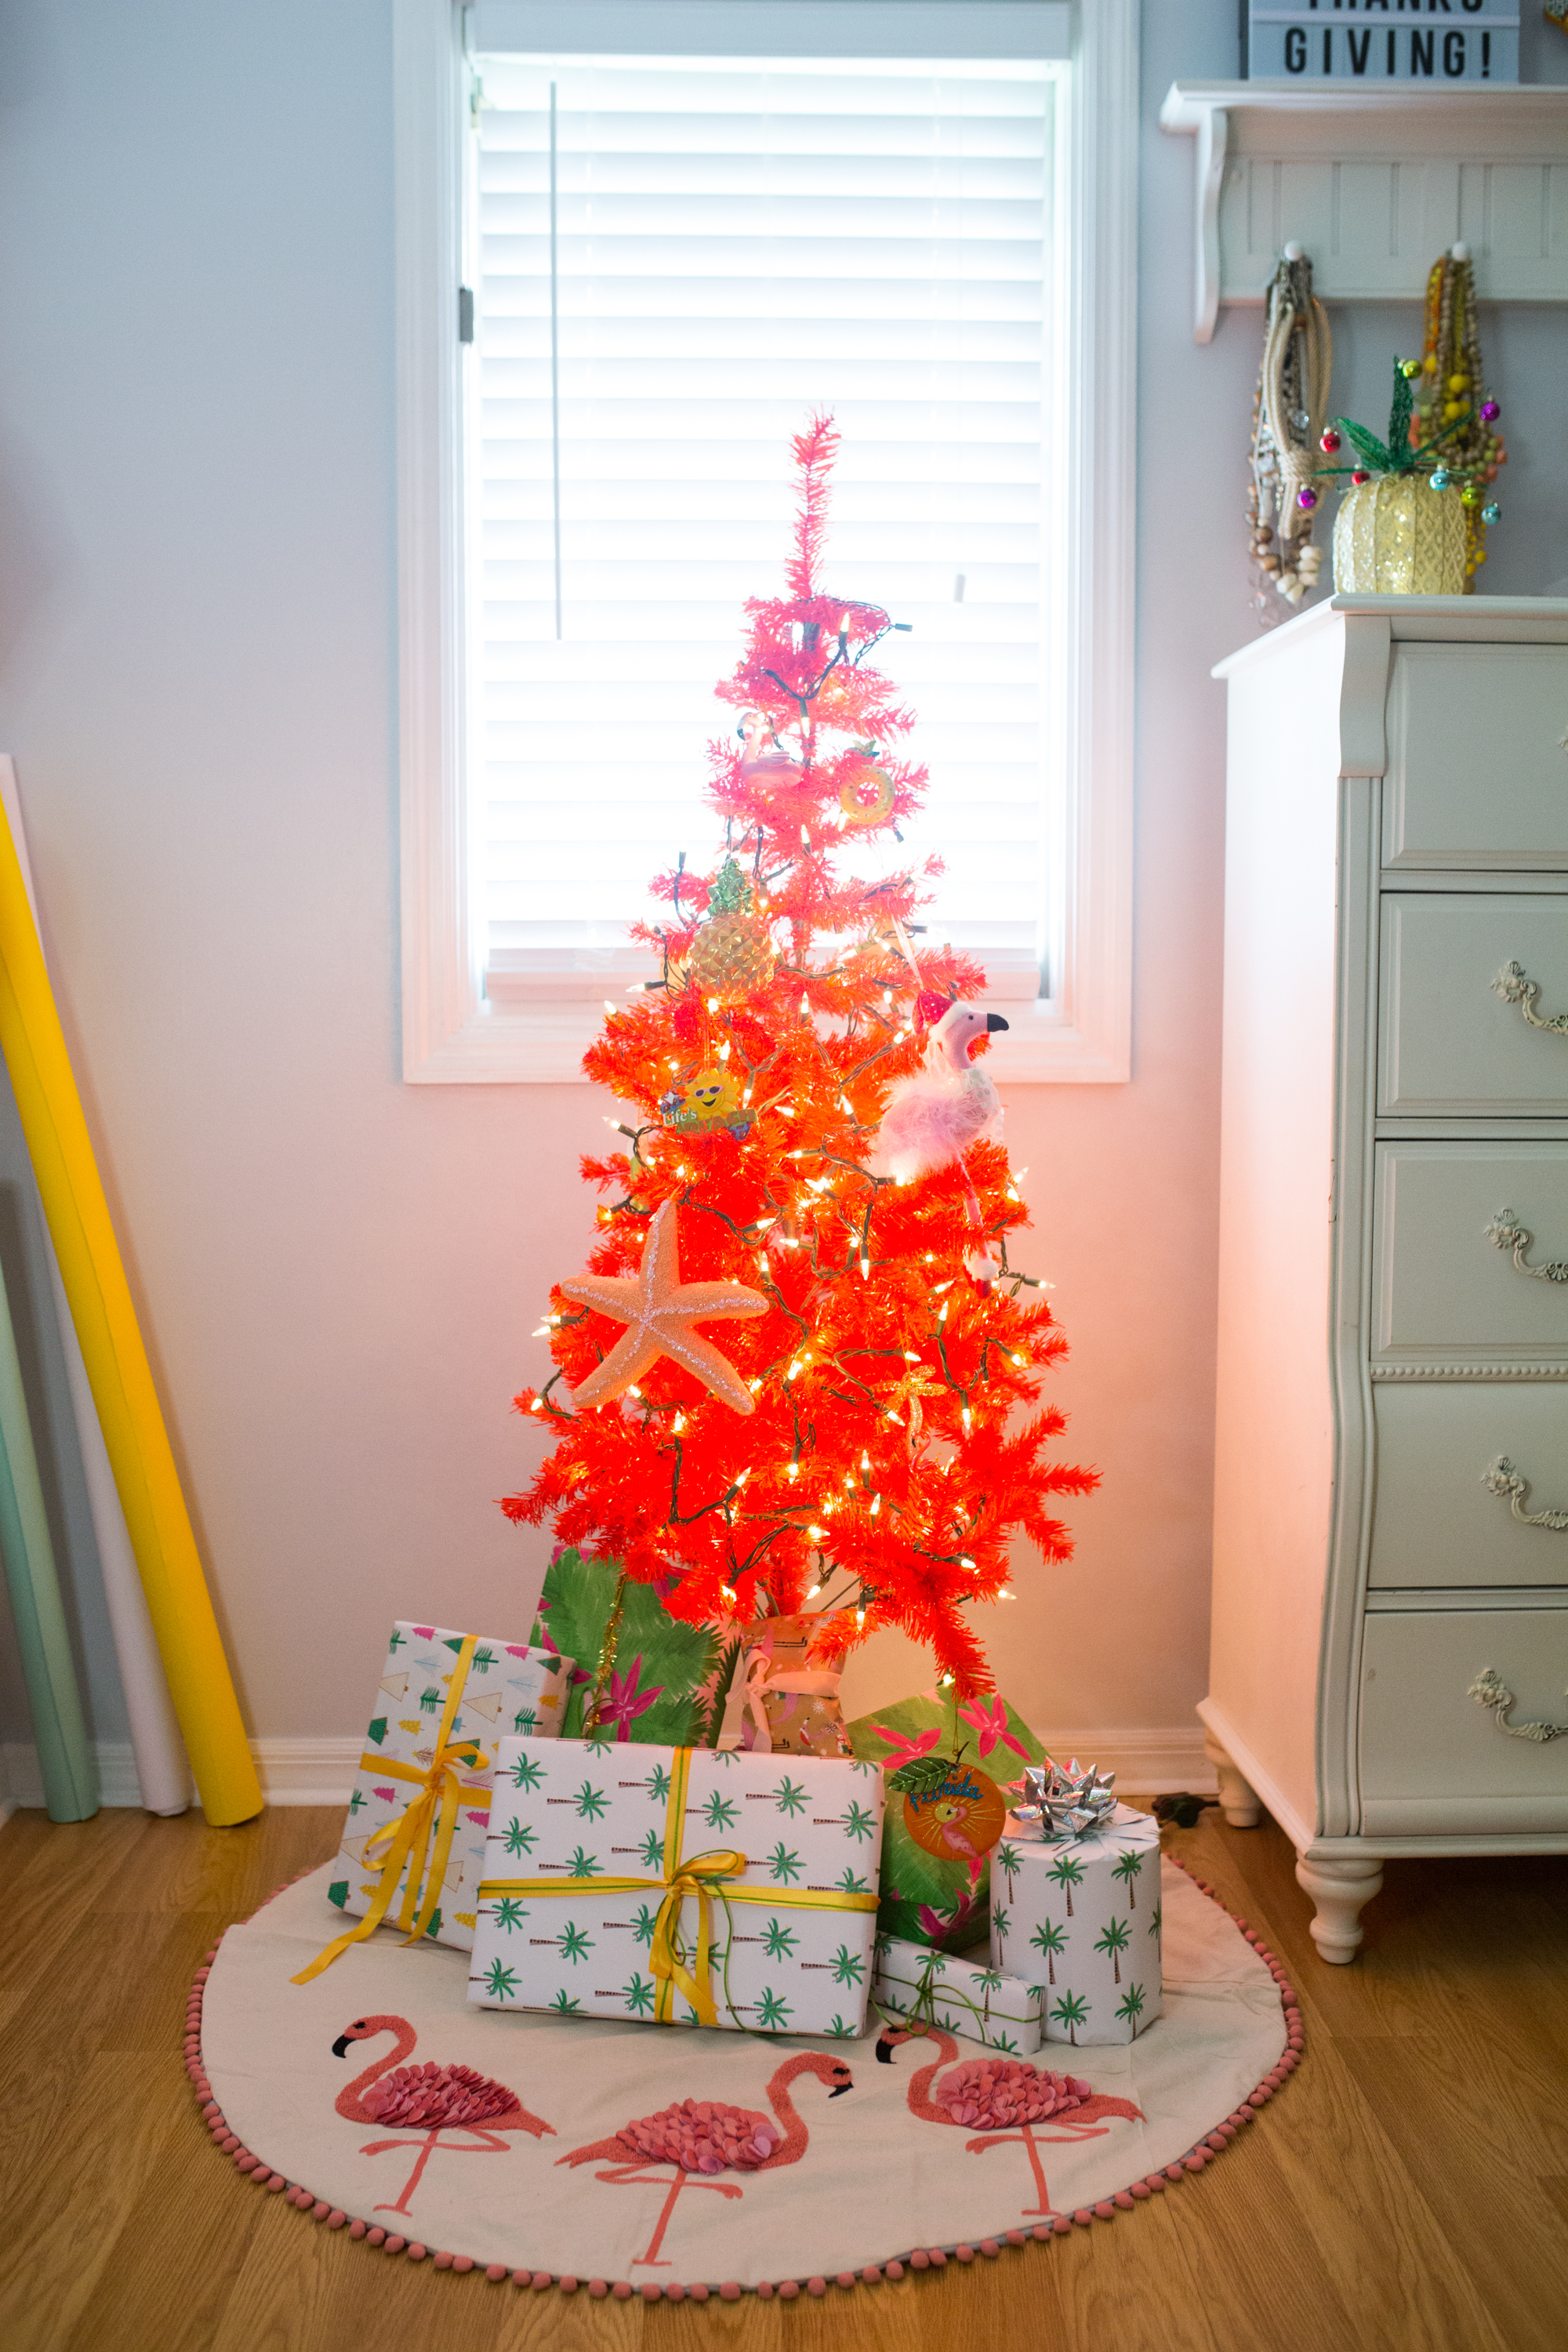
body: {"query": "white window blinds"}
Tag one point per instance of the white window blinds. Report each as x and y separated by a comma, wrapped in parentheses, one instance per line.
(677, 261)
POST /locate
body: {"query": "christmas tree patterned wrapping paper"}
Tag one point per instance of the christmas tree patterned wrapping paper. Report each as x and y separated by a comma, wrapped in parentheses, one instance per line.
(1080, 1917)
(959, 1993)
(928, 1898)
(504, 1687)
(609, 1868)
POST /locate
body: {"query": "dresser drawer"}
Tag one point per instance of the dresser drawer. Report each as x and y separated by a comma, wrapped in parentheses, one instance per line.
(1435, 1521)
(1477, 777)
(1449, 1044)
(1445, 1290)
(1432, 1759)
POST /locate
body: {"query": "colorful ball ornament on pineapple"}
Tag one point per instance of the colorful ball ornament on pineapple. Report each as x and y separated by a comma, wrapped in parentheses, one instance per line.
(1491, 512)
(960, 1817)
(1438, 479)
(1490, 411)
(1329, 442)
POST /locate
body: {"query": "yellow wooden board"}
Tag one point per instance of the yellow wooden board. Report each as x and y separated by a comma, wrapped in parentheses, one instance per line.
(112, 1345)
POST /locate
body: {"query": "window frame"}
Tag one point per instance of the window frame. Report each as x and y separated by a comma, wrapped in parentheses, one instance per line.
(1080, 1034)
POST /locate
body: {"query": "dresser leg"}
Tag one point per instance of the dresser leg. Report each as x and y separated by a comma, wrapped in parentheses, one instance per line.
(1339, 1888)
(1238, 1799)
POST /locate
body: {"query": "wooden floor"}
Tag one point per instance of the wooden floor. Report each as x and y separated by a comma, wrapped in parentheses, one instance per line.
(1408, 2190)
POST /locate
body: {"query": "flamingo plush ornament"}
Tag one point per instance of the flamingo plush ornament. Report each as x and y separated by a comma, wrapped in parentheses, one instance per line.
(935, 1115)
(430, 2099)
(702, 2137)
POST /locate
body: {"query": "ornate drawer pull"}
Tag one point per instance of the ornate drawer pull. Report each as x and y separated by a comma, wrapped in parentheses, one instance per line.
(1514, 984)
(1489, 1689)
(1506, 1233)
(1502, 1478)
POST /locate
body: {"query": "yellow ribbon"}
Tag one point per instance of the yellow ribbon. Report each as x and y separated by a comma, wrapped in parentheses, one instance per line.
(704, 1876)
(408, 1839)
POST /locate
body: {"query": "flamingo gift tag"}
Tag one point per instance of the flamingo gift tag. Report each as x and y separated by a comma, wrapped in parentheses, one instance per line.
(963, 1812)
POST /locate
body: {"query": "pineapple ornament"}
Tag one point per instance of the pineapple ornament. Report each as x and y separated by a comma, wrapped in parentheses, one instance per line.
(732, 954)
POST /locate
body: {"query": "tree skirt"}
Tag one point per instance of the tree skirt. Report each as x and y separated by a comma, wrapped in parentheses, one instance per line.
(877, 2183)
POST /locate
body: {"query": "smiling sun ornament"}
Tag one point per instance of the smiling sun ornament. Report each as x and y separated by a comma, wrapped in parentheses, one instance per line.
(709, 1099)
(659, 1312)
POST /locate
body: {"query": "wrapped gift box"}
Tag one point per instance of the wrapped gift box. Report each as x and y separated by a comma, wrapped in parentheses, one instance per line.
(589, 1901)
(959, 1994)
(784, 1698)
(1079, 1917)
(668, 1681)
(939, 1899)
(503, 1688)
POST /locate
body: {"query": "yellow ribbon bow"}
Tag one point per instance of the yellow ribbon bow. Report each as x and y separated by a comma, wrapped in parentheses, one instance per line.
(703, 1876)
(441, 1797)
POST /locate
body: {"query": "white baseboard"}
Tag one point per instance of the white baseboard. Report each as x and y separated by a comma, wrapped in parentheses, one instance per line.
(1146, 1763)
(292, 1772)
(23, 1783)
(321, 1771)
(307, 1771)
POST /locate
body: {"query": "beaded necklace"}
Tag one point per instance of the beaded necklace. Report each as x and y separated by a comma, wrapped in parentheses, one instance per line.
(1288, 414)
(1451, 384)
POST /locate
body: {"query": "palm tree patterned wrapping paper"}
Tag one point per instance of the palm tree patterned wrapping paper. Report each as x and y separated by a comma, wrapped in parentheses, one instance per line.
(928, 1898)
(1079, 1918)
(781, 1963)
(508, 1687)
(968, 1997)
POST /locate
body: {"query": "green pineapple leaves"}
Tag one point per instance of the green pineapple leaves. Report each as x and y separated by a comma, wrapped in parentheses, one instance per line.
(1367, 446)
(659, 1661)
(925, 1772)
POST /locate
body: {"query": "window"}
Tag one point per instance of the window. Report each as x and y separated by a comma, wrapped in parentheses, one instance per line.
(674, 257)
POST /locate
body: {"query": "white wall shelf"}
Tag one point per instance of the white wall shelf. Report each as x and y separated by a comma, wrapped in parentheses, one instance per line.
(1373, 185)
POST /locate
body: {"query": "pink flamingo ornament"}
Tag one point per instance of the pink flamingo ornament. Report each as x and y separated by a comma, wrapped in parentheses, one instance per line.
(702, 2136)
(1006, 2092)
(433, 2099)
(933, 1116)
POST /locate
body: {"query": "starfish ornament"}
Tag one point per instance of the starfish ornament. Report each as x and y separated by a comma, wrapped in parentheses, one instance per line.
(659, 1310)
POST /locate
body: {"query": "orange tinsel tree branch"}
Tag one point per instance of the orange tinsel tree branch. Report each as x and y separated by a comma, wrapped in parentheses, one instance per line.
(895, 1462)
(813, 451)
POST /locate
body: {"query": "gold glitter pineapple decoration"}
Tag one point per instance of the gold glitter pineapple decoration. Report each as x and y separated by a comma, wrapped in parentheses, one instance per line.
(732, 954)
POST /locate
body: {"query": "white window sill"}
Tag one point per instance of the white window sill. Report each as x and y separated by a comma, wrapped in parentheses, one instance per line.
(543, 1044)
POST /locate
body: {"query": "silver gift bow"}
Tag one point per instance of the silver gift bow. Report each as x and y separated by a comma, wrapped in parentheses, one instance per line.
(1061, 1801)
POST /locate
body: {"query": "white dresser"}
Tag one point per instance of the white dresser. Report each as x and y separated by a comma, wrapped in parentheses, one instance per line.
(1390, 1495)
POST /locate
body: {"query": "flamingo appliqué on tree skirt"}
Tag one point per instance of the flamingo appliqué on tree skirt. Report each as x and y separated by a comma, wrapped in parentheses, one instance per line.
(702, 2137)
(1006, 2092)
(431, 2099)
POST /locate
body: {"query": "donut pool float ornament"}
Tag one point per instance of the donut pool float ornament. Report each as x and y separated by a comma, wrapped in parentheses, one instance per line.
(866, 796)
